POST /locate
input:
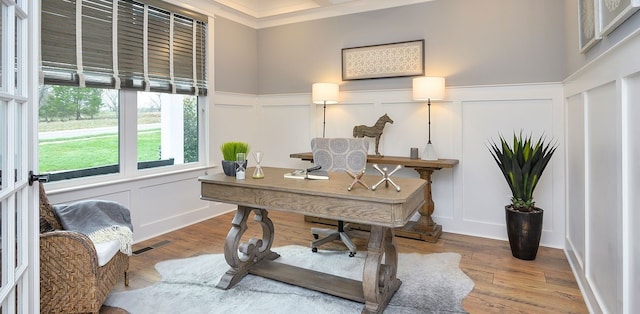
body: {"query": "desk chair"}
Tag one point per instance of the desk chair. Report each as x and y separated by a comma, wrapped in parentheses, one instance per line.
(338, 155)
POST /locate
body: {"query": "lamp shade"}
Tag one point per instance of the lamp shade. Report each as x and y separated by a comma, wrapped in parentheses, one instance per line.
(428, 87)
(324, 93)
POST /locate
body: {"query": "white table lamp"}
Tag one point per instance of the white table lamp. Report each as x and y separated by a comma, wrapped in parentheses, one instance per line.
(324, 93)
(427, 88)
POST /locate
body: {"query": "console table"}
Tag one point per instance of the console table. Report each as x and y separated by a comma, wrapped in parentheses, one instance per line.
(383, 209)
(425, 228)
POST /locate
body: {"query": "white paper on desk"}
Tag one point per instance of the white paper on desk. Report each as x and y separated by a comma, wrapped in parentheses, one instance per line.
(295, 175)
(313, 175)
(318, 175)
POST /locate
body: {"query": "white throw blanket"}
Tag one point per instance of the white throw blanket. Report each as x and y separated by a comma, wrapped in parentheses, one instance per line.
(102, 221)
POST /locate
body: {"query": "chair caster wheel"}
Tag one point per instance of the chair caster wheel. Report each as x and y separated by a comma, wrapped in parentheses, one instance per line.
(352, 254)
(314, 249)
(315, 236)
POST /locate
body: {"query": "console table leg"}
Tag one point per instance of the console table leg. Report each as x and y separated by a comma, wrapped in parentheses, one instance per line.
(252, 251)
(425, 228)
(379, 281)
(426, 223)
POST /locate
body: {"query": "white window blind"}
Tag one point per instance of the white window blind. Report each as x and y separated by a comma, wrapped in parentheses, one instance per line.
(142, 45)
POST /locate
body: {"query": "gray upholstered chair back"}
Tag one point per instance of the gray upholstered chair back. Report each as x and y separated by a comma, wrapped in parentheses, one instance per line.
(339, 154)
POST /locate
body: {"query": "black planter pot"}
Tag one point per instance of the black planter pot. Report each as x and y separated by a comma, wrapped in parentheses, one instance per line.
(524, 230)
(229, 167)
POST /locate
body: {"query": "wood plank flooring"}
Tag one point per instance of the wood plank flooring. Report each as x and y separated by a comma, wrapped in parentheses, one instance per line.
(503, 284)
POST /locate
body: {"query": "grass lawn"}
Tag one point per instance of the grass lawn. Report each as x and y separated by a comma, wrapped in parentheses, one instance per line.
(91, 151)
(103, 119)
(96, 150)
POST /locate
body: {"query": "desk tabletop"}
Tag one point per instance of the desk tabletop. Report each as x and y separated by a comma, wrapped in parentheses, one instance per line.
(321, 198)
(395, 160)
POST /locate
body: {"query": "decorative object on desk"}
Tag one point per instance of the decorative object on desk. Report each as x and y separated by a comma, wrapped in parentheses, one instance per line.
(324, 93)
(386, 177)
(374, 131)
(386, 60)
(318, 174)
(522, 166)
(257, 172)
(296, 174)
(413, 153)
(357, 179)
(313, 173)
(428, 88)
(241, 159)
(229, 151)
(431, 283)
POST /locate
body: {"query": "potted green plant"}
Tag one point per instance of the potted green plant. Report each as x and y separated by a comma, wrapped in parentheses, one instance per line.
(229, 151)
(522, 165)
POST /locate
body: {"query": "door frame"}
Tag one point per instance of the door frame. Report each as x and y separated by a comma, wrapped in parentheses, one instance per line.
(20, 42)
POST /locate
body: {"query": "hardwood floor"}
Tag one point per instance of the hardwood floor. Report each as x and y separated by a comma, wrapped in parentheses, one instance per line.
(503, 284)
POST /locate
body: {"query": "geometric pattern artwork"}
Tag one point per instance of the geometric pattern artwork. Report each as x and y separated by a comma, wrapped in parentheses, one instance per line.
(388, 60)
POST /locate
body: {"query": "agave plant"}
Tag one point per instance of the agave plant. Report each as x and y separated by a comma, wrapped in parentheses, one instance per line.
(522, 165)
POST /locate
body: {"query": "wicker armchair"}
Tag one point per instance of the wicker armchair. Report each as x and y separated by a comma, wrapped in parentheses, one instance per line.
(70, 279)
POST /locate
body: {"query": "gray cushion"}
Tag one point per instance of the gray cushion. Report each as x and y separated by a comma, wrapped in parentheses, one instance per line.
(339, 154)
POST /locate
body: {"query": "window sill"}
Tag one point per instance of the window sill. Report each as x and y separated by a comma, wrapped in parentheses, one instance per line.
(114, 179)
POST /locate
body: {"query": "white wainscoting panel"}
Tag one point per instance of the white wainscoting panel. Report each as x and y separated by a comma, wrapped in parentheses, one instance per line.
(604, 223)
(482, 192)
(234, 119)
(280, 137)
(630, 191)
(575, 139)
(605, 94)
(484, 121)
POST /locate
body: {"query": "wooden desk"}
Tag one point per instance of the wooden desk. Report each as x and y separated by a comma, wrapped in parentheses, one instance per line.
(383, 209)
(425, 228)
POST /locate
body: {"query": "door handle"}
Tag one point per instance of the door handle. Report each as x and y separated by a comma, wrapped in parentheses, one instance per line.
(37, 177)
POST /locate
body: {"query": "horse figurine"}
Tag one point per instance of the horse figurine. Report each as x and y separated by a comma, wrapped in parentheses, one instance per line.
(372, 131)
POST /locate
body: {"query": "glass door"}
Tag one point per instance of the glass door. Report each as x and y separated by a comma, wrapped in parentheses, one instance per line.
(19, 276)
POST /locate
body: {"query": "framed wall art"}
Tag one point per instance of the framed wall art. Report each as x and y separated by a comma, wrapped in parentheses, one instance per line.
(382, 61)
(589, 25)
(615, 12)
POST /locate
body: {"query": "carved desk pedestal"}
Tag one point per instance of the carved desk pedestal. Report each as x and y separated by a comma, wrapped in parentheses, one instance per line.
(384, 210)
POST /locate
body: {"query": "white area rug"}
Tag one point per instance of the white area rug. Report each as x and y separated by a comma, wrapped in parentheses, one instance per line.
(431, 283)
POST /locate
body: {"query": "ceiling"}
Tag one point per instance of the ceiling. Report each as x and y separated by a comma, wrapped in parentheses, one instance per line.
(265, 13)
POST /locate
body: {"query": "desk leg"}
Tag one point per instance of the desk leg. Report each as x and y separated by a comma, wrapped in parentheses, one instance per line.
(379, 281)
(425, 228)
(252, 252)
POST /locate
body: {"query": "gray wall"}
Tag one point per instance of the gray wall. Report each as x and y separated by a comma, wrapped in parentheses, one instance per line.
(469, 42)
(235, 57)
(576, 60)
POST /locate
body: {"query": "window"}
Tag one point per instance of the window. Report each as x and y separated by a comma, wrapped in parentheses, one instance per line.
(167, 129)
(78, 131)
(96, 54)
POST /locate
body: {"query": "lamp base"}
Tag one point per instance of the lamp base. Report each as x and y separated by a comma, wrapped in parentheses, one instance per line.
(429, 153)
